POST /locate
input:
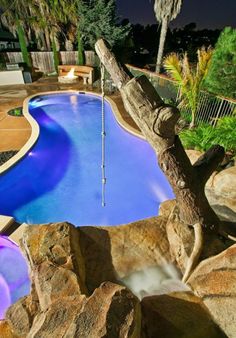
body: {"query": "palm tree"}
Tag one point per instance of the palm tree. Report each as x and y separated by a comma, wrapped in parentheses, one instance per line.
(165, 11)
(189, 78)
(13, 17)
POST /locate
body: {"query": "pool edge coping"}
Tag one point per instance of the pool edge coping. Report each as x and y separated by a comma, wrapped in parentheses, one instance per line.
(35, 130)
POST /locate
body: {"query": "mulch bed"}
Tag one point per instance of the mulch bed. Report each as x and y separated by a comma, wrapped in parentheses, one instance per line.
(6, 155)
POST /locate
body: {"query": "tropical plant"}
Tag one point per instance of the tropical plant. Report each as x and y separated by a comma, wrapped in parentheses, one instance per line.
(23, 45)
(97, 19)
(13, 17)
(188, 77)
(15, 112)
(80, 60)
(165, 11)
(221, 78)
(55, 55)
(42, 20)
(205, 136)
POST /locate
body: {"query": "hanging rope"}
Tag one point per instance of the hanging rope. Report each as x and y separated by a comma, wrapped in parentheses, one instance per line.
(103, 134)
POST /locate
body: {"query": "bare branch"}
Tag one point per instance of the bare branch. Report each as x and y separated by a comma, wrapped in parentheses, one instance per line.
(117, 71)
(208, 162)
(155, 119)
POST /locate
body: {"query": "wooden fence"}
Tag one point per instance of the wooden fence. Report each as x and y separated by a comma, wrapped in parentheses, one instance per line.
(44, 60)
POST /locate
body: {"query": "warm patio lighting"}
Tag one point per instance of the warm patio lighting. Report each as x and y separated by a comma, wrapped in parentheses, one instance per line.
(70, 77)
(71, 74)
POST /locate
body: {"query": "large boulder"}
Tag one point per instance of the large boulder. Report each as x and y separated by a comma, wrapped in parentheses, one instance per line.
(57, 243)
(214, 280)
(111, 253)
(221, 193)
(220, 189)
(111, 311)
(77, 290)
(177, 315)
(21, 314)
(6, 331)
(54, 282)
(68, 269)
(55, 321)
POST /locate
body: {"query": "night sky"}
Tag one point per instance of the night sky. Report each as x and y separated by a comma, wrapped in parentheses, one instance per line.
(206, 13)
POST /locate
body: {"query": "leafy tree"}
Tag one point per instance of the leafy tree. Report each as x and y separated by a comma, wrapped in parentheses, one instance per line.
(189, 78)
(166, 11)
(97, 19)
(221, 78)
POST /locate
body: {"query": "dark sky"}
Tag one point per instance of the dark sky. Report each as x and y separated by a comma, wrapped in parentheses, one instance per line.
(206, 13)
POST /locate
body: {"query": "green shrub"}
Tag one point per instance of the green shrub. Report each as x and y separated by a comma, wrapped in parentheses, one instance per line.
(15, 111)
(204, 136)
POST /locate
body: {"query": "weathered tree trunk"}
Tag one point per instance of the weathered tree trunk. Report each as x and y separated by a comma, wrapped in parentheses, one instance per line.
(164, 27)
(47, 39)
(68, 45)
(157, 122)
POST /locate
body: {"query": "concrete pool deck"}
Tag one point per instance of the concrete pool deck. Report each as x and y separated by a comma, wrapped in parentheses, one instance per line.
(15, 131)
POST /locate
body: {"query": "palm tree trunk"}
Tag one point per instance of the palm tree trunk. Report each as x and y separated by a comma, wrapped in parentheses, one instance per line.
(193, 120)
(164, 26)
(48, 40)
(41, 42)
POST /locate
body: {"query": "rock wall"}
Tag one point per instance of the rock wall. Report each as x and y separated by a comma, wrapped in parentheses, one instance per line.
(76, 289)
(220, 189)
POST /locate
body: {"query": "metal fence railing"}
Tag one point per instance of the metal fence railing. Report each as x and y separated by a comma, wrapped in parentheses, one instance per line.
(165, 87)
(210, 107)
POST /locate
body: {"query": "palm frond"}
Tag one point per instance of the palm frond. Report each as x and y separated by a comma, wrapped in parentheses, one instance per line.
(188, 77)
(167, 9)
(172, 64)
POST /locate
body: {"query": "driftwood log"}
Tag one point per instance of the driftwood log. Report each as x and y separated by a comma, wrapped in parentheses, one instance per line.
(157, 121)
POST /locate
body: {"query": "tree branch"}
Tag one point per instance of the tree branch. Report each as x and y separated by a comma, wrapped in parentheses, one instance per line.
(157, 122)
(208, 162)
(119, 74)
(155, 119)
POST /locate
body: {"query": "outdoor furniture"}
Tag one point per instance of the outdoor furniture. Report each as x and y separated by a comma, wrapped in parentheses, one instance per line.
(86, 72)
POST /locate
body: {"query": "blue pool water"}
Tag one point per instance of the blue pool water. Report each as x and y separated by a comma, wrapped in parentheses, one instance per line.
(60, 178)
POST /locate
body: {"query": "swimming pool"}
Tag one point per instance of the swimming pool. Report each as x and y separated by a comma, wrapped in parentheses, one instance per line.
(60, 178)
